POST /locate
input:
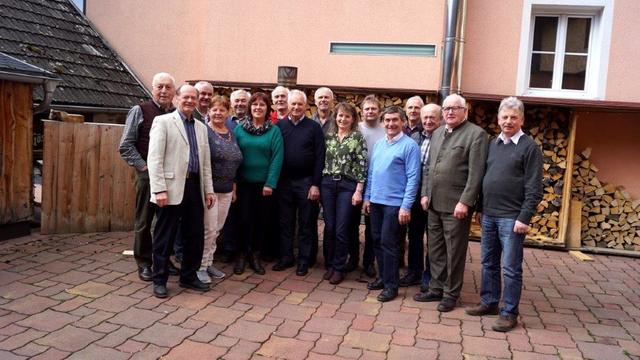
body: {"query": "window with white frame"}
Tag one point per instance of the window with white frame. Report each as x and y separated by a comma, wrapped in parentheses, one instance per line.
(565, 48)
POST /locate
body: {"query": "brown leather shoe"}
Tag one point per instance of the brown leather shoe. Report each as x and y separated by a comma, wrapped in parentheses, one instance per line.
(481, 310)
(505, 323)
(328, 274)
(336, 278)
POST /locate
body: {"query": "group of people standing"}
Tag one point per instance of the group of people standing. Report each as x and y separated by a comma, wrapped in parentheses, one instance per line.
(260, 175)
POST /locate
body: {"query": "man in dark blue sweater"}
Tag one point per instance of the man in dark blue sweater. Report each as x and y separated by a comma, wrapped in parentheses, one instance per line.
(298, 188)
(511, 191)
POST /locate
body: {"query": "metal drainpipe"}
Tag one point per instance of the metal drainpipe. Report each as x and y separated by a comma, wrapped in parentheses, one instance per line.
(49, 86)
(453, 48)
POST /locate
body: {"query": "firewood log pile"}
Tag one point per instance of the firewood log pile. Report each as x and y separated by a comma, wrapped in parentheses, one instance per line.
(610, 217)
(549, 127)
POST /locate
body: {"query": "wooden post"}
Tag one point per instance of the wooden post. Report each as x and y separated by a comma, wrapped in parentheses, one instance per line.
(566, 187)
(575, 224)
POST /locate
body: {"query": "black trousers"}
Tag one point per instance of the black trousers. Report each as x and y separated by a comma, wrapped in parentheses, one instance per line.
(292, 200)
(145, 210)
(254, 210)
(189, 216)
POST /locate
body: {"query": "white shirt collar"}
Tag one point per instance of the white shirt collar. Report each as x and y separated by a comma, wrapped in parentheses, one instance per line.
(395, 138)
(515, 138)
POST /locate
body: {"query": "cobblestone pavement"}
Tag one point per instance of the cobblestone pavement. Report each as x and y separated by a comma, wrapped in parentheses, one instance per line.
(76, 296)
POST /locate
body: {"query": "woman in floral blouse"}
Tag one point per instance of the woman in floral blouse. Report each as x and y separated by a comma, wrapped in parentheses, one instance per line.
(344, 173)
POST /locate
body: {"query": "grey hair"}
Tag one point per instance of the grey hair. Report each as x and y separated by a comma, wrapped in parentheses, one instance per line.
(511, 102)
(295, 92)
(179, 89)
(161, 75)
(280, 88)
(462, 100)
(436, 107)
(240, 92)
(324, 88)
(202, 83)
(393, 109)
(420, 101)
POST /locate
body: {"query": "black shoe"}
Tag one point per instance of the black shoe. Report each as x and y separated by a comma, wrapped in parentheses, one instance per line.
(256, 265)
(409, 279)
(144, 273)
(160, 291)
(173, 270)
(302, 270)
(238, 267)
(282, 265)
(375, 285)
(196, 285)
(388, 295)
(328, 274)
(336, 278)
(370, 270)
(427, 296)
(446, 305)
(424, 287)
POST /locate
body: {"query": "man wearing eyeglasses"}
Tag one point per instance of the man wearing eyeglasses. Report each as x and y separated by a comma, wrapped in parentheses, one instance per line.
(449, 192)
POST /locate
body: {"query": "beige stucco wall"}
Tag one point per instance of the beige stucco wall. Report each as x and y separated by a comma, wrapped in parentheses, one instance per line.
(246, 41)
(624, 77)
(492, 40)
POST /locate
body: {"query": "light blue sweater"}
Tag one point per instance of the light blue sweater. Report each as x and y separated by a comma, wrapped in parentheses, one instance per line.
(394, 173)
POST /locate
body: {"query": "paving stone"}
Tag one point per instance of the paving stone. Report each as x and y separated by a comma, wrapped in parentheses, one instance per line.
(292, 312)
(608, 331)
(163, 335)
(519, 355)
(367, 340)
(12, 329)
(21, 339)
(195, 350)
(559, 319)
(404, 337)
(48, 320)
(189, 300)
(17, 289)
(349, 352)
(545, 337)
(327, 344)
(439, 332)
(95, 352)
(260, 299)
(224, 341)
(285, 348)
(218, 315)
(92, 289)
(250, 331)
(325, 296)
(398, 352)
(30, 304)
(30, 350)
(117, 337)
(569, 354)
(363, 322)
(485, 347)
(72, 304)
(94, 319)
(289, 328)
(51, 354)
(70, 338)
(105, 327)
(630, 346)
(327, 326)
(150, 352)
(397, 319)
(518, 342)
(601, 351)
(10, 318)
(298, 286)
(73, 277)
(136, 318)
(6, 355)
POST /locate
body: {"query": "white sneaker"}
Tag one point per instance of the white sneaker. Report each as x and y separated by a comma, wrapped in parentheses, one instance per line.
(215, 273)
(203, 276)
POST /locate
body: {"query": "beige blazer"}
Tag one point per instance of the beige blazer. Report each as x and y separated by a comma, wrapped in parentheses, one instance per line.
(168, 158)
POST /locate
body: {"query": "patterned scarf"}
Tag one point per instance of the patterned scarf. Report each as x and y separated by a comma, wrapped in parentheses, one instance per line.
(247, 125)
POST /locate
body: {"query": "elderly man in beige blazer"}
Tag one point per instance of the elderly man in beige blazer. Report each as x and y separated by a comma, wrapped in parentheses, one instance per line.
(449, 192)
(181, 185)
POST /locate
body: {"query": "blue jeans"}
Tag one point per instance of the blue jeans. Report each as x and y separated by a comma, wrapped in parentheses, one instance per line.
(500, 244)
(339, 215)
(385, 230)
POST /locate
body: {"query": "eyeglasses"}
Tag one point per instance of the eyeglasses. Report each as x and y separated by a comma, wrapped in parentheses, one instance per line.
(452, 108)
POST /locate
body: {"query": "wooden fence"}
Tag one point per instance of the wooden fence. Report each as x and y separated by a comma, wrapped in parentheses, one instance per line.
(16, 128)
(86, 186)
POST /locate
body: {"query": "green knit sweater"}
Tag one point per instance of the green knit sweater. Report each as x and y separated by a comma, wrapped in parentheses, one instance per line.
(262, 156)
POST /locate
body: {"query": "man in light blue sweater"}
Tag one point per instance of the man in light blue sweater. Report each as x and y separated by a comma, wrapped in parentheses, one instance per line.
(392, 183)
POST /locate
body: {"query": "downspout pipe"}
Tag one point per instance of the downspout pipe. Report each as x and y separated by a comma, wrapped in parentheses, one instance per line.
(49, 87)
(453, 46)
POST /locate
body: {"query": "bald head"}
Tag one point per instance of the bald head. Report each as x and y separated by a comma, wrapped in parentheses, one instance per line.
(431, 117)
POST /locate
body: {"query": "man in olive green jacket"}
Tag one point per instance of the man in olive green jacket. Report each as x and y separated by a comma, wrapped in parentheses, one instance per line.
(449, 192)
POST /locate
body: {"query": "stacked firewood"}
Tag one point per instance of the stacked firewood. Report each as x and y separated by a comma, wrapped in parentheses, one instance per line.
(550, 129)
(610, 217)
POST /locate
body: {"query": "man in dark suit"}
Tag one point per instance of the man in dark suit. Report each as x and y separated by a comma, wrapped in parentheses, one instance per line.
(181, 185)
(456, 167)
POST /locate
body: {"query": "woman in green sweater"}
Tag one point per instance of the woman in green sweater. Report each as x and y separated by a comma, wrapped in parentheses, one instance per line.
(262, 151)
